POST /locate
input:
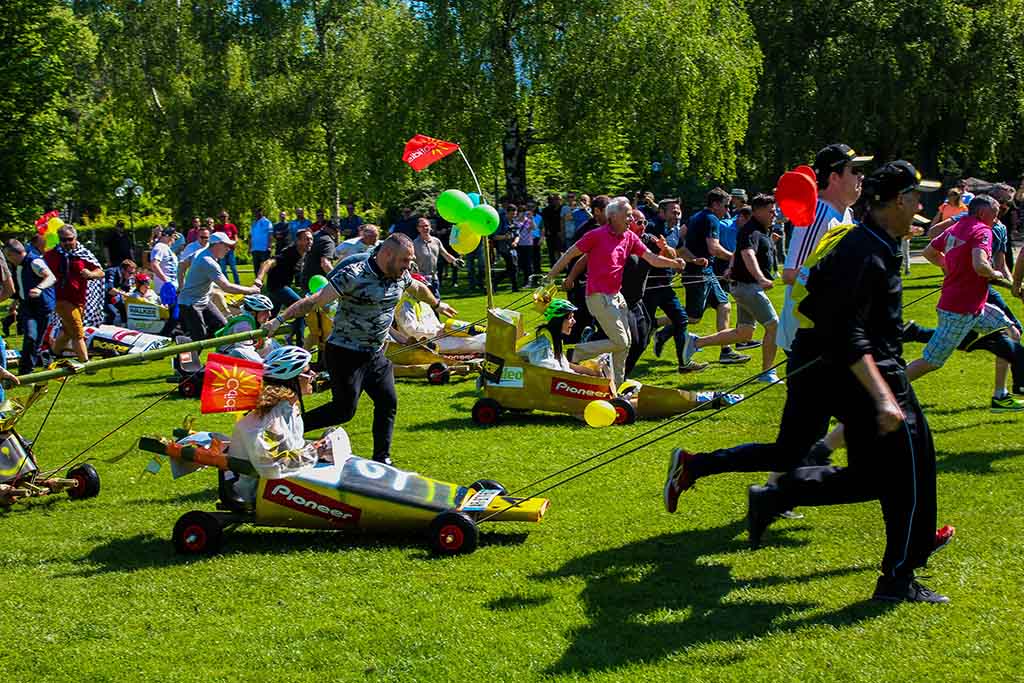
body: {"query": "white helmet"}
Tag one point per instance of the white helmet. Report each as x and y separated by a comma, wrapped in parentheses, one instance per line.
(286, 362)
(257, 302)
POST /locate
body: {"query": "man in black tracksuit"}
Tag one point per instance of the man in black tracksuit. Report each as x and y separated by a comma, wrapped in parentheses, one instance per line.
(853, 304)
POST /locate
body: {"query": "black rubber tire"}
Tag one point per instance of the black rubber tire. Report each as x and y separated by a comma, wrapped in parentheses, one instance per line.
(486, 412)
(438, 373)
(197, 533)
(625, 413)
(88, 482)
(190, 387)
(453, 533)
(488, 484)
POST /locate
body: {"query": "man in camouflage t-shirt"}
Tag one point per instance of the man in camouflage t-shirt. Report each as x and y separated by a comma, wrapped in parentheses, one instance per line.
(367, 291)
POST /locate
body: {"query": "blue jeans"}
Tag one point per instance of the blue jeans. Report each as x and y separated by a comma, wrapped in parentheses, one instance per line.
(283, 298)
(665, 298)
(229, 262)
(258, 257)
(35, 325)
(474, 267)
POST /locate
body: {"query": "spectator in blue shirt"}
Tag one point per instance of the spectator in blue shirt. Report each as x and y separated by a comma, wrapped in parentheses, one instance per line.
(259, 239)
(300, 223)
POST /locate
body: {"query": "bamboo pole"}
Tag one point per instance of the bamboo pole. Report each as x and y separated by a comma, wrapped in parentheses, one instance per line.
(138, 358)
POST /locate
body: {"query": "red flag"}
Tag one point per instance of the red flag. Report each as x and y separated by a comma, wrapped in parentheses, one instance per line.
(230, 384)
(421, 151)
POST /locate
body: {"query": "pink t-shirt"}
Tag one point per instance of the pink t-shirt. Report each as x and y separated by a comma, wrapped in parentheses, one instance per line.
(607, 257)
(963, 290)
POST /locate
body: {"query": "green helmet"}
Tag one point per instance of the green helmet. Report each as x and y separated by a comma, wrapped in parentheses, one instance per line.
(558, 308)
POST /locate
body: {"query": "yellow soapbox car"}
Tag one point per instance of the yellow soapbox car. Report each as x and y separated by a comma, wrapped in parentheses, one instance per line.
(351, 494)
(509, 382)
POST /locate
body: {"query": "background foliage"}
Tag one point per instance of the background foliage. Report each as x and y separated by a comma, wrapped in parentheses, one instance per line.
(285, 103)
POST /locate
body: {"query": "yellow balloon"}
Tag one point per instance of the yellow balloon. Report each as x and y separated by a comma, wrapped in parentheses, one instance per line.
(463, 239)
(54, 224)
(599, 414)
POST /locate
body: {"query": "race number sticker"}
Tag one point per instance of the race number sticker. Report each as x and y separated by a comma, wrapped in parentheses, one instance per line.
(480, 500)
(143, 312)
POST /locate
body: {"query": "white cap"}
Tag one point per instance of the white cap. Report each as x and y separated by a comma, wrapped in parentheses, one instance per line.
(221, 238)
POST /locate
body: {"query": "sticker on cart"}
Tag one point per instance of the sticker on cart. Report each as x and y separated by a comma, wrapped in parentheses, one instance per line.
(480, 500)
(511, 377)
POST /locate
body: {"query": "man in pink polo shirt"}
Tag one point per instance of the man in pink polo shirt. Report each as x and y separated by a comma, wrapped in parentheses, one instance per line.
(607, 249)
(964, 252)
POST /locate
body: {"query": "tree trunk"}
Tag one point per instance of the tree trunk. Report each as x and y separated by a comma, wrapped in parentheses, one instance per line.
(514, 155)
(331, 138)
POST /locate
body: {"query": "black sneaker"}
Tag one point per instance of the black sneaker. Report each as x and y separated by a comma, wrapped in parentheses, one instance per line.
(386, 460)
(227, 494)
(730, 357)
(752, 344)
(912, 332)
(660, 338)
(762, 509)
(692, 366)
(819, 456)
(905, 589)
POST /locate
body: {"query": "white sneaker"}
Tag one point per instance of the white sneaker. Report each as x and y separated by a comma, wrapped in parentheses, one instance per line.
(689, 348)
(769, 377)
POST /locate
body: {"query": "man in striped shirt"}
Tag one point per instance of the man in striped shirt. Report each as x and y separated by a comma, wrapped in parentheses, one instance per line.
(840, 172)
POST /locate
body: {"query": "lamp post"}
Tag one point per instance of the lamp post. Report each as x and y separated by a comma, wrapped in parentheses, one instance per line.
(128, 191)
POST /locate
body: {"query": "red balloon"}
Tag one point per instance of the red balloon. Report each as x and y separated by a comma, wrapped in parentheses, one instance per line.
(807, 171)
(797, 197)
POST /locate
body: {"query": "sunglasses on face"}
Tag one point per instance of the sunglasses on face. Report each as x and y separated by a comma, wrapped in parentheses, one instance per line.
(67, 240)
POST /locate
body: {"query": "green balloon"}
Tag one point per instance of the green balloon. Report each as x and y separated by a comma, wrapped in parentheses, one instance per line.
(316, 283)
(484, 220)
(454, 205)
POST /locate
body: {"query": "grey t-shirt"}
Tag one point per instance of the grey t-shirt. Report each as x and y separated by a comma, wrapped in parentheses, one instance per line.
(366, 304)
(427, 255)
(200, 277)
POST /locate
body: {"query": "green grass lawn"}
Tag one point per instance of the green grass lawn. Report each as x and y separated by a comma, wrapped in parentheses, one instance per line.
(608, 587)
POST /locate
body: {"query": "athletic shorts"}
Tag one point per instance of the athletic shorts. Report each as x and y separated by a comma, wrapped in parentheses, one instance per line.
(953, 327)
(752, 305)
(71, 319)
(701, 296)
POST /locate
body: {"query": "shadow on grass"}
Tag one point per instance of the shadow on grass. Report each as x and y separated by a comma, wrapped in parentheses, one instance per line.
(198, 497)
(973, 462)
(971, 425)
(146, 551)
(931, 411)
(96, 381)
(651, 599)
(508, 418)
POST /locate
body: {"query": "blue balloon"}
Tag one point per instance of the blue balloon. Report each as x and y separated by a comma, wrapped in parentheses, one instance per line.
(474, 197)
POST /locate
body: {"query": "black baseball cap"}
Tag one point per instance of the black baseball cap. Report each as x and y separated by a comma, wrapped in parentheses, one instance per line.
(895, 178)
(168, 231)
(834, 157)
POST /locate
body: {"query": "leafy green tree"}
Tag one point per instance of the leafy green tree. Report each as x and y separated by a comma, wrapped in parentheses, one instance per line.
(601, 81)
(45, 66)
(938, 82)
